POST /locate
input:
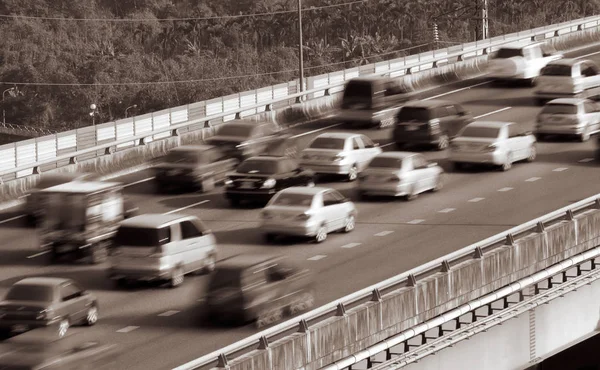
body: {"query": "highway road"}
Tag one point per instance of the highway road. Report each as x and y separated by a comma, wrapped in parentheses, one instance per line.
(159, 328)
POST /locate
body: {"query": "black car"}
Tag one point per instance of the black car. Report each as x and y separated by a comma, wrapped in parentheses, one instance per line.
(429, 122)
(259, 178)
(598, 148)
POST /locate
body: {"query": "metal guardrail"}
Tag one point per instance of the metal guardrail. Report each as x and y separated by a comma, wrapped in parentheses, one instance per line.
(317, 86)
(471, 251)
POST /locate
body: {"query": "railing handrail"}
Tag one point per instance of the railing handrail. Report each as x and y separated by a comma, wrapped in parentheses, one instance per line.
(432, 266)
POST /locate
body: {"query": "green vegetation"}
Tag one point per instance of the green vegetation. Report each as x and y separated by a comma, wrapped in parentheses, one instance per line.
(41, 51)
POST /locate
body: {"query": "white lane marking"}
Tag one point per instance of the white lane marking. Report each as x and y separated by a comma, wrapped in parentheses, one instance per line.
(351, 245)
(38, 254)
(139, 181)
(127, 329)
(317, 130)
(317, 257)
(560, 169)
(415, 221)
(447, 210)
(169, 313)
(505, 189)
(492, 112)
(475, 200)
(532, 179)
(384, 233)
(457, 90)
(11, 219)
(586, 160)
(587, 55)
(186, 207)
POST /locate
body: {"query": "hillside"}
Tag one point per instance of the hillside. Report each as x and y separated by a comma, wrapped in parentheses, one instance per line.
(40, 47)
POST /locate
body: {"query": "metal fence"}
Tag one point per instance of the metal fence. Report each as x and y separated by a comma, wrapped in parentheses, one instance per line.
(40, 154)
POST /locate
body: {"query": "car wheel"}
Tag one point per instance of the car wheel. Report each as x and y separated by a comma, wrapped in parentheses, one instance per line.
(507, 165)
(439, 183)
(177, 277)
(349, 223)
(585, 136)
(91, 316)
(353, 173)
(63, 327)
(386, 123)
(304, 302)
(443, 142)
(412, 194)
(321, 234)
(269, 316)
(532, 153)
(209, 264)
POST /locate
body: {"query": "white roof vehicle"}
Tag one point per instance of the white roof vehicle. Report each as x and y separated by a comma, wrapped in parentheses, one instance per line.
(568, 78)
(521, 62)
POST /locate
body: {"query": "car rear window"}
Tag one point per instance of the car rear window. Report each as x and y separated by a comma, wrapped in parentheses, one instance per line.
(235, 130)
(182, 157)
(358, 89)
(328, 143)
(383, 162)
(142, 236)
(414, 113)
(259, 166)
(559, 109)
(25, 292)
(224, 277)
(475, 131)
(291, 199)
(557, 70)
(505, 53)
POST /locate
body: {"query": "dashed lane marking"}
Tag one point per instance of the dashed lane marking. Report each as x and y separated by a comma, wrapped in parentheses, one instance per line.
(351, 245)
(532, 179)
(560, 169)
(169, 313)
(475, 200)
(317, 257)
(415, 222)
(492, 112)
(384, 233)
(586, 160)
(128, 329)
(447, 210)
(315, 131)
(508, 188)
(38, 254)
(139, 181)
(11, 219)
(188, 206)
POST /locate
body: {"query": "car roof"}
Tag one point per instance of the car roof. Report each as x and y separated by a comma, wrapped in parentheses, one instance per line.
(338, 135)
(246, 260)
(188, 148)
(396, 155)
(82, 187)
(569, 101)
(428, 103)
(45, 281)
(304, 190)
(566, 62)
(491, 124)
(153, 220)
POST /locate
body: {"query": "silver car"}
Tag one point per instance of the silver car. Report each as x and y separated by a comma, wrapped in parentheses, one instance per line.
(339, 153)
(494, 143)
(568, 78)
(400, 174)
(304, 211)
(568, 116)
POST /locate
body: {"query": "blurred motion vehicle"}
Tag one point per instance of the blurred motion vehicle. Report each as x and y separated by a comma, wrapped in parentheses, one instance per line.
(33, 211)
(520, 63)
(494, 143)
(303, 211)
(597, 148)
(429, 122)
(155, 247)
(242, 139)
(37, 351)
(373, 101)
(568, 78)
(257, 179)
(400, 174)
(193, 166)
(81, 218)
(254, 287)
(47, 301)
(568, 117)
(339, 154)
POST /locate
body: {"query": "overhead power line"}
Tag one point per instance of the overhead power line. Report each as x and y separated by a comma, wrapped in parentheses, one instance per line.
(138, 20)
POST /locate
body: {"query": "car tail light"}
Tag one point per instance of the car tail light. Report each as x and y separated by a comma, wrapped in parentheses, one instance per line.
(303, 216)
(338, 158)
(45, 314)
(394, 179)
(490, 148)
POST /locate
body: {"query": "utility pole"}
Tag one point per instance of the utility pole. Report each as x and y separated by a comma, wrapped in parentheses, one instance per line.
(300, 54)
(484, 21)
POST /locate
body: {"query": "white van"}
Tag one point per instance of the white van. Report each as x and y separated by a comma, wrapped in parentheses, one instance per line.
(520, 63)
(161, 247)
(568, 78)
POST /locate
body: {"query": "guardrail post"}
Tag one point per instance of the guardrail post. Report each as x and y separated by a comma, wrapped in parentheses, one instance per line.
(303, 326)
(268, 107)
(175, 132)
(376, 296)
(570, 215)
(222, 362)
(411, 281)
(263, 343)
(73, 160)
(326, 93)
(556, 33)
(408, 71)
(459, 58)
(484, 51)
(299, 99)
(238, 115)
(109, 150)
(540, 228)
(510, 239)
(580, 27)
(206, 124)
(445, 266)
(478, 253)
(597, 203)
(341, 310)
(143, 141)
(37, 170)
(435, 64)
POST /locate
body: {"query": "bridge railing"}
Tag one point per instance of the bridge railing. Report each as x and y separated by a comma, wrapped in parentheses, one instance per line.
(40, 154)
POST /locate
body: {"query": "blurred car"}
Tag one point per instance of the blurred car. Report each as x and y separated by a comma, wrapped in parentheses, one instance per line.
(43, 301)
(257, 179)
(313, 212)
(520, 63)
(33, 211)
(340, 154)
(494, 143)
(193, 166)
(568, 78)
(597, 148)
(243, 139)
(373, 101)
(253, 287)
(81, 219)
(161, 247)
(429, 122)
(568, 117)
(400, 174)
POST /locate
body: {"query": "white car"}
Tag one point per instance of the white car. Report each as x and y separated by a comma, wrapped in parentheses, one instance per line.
(400, 174)
(568, 78)
(516, 62)
(339, 153)
(494, 143)
(303, 211)
(568, 116)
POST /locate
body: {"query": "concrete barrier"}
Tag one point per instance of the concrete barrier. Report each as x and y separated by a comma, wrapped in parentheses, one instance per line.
(370, 323)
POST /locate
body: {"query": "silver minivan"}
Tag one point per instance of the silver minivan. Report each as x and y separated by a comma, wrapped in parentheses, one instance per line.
(155, 247)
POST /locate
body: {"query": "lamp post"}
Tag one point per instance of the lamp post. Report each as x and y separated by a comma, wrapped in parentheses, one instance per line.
(3, 111)
(93, 113)
(128, 108)
(300, 56)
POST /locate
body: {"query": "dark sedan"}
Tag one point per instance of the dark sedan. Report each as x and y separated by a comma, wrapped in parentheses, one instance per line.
(259, 178)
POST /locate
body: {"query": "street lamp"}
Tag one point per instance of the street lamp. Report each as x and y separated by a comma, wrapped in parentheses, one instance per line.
(3, 111)
(300, 54)
(128, 108)
(93, 113)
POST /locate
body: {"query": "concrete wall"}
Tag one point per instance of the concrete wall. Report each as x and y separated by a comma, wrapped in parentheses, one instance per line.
(370, 323)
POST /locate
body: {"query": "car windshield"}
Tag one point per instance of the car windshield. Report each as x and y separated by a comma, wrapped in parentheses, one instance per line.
(142, 236)
(506, 53)
(383, 162)
(328, 143)
(259, 166)
(557, 70)
(182, 157)
(236, 130)
(293, 199)
(478, 131)
(26, 292)
(414, 113)
(559, 109)
(224, 277)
